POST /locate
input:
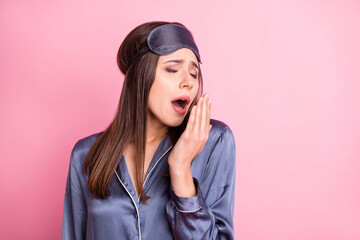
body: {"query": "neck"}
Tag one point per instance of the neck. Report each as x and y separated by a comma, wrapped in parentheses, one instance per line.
(155, 130)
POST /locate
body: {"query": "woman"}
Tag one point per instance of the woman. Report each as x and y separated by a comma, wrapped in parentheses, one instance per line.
(157, 171)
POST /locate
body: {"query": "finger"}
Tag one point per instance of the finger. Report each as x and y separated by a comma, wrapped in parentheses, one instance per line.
(208, 113)
(198, 117)
(204, 124)
(208, 107)
(191, 121)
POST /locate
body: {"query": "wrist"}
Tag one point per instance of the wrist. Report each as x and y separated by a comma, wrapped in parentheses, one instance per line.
(178, 165)
(182, 182)
(179, 170)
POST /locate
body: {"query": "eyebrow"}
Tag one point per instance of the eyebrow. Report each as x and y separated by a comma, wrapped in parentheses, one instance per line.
(182, 61)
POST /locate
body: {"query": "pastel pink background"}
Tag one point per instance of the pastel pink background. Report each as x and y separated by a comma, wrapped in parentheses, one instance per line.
(284, 75)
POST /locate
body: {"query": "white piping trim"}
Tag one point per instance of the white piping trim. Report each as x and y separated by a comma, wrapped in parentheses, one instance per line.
(190, 211)
(154, 168)
(137, 211)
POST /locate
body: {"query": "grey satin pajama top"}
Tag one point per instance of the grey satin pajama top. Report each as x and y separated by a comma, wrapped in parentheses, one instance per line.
(208, 215)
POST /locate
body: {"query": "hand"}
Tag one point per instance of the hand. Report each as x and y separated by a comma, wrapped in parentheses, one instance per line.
(194, 137)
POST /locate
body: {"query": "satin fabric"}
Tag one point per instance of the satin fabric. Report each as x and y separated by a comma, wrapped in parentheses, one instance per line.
(168, 38)
(208, 215)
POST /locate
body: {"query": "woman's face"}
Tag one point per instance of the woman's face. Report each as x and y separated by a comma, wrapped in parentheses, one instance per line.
(176, 77)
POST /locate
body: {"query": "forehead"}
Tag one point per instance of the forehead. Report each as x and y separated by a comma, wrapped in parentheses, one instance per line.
(182, 53)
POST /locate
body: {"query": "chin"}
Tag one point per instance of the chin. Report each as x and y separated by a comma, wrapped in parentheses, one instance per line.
(174, 122)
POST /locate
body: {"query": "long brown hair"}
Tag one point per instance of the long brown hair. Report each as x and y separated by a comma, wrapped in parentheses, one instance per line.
(130, 119)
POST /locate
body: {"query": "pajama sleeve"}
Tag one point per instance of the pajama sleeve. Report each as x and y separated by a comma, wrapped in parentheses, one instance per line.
(74, 214)
(209, 214)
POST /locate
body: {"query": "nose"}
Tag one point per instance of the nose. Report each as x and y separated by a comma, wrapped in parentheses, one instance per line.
(187, 81)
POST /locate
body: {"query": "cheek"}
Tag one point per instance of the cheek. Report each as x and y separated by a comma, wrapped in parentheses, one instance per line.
(196, 89)
(161, 84)
(158, 92)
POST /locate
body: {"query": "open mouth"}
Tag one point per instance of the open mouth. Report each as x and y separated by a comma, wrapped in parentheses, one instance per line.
(180, 103)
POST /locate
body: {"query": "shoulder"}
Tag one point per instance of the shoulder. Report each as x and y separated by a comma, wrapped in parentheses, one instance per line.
(81, 149)
(220, 146)
(218, 158)
(220, 131)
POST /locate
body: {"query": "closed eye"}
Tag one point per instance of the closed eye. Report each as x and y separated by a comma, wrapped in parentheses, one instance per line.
(174, 71)
(171, 70)
(194, 76)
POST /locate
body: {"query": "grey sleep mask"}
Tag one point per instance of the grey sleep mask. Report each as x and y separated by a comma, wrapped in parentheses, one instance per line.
(167, 39)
